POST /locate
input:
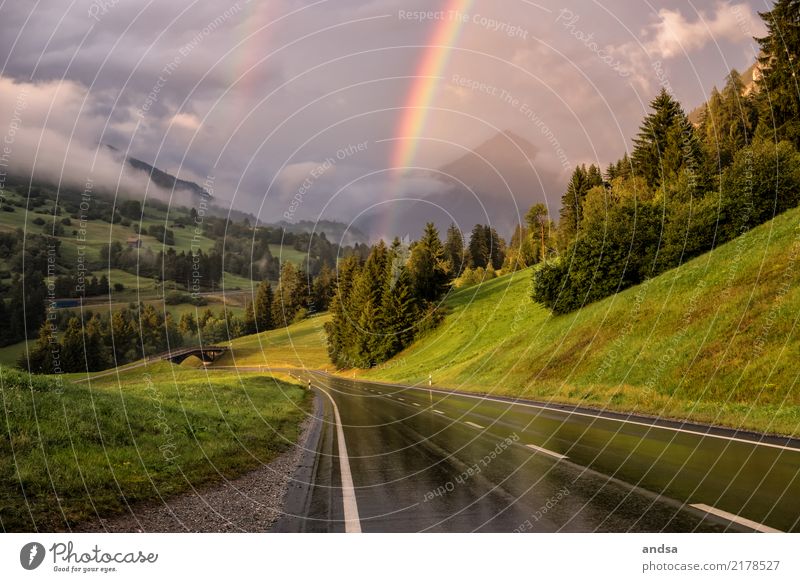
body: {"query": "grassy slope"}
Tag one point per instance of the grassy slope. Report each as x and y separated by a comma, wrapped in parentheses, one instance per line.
(714, 340)
(90, 449)
(301, 345)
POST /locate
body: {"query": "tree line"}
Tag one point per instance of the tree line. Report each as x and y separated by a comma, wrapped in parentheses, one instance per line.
(684, 189)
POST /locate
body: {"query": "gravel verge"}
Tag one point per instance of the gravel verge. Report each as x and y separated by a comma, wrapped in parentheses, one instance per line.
(250, 503)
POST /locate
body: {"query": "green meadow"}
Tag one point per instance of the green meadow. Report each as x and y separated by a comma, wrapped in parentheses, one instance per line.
(73, 451)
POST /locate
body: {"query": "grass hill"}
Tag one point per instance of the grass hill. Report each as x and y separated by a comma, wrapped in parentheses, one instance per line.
(75, 451)
(301, 345)
(715, 340)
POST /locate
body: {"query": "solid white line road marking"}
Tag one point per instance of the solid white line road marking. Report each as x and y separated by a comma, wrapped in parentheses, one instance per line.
(352, 523)
(473, 424)
(754, 525)
(547, 452)
(602, 417)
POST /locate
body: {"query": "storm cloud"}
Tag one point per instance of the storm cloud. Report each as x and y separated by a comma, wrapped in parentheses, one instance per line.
(260, 95)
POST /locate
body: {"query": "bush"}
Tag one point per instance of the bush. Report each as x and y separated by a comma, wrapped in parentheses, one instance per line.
(38, 221)
(177, 297)
(7, 208)
(550, 282)
(301, 314)
(764, 180)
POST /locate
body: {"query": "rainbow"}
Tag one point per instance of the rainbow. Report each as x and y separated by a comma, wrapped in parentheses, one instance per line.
(426, 81)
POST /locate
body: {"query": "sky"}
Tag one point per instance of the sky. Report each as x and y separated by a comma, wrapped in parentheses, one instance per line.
(342, 109)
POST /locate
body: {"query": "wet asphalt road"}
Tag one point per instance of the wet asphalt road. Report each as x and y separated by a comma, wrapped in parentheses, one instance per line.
(434, 461)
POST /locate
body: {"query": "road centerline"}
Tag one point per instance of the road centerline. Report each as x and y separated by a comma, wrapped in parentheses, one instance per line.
(546, 451)
(732, 517)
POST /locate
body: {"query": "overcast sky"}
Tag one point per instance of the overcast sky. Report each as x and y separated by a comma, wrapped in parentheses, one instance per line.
(258, 94)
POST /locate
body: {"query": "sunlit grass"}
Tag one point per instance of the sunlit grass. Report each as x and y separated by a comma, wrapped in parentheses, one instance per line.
(302, 345)
(67, 457)
(714, 340)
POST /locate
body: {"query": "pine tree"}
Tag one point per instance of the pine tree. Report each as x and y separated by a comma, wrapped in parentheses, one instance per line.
(427, 266)
(290, 296)
(249, 322)
(40, 359)
(497, 247)
(96, 354)
(121, 338)
(322, 289)
(188, 326)
(478, 249)
(727, 122)
(666, 143)
(581, 181)
(399, 314)
(454, 251)
(263, 307)
(340, 329)
(72, 350)
(779, 92)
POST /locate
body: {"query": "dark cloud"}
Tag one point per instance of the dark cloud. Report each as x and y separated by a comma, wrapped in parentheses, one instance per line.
(258, 93)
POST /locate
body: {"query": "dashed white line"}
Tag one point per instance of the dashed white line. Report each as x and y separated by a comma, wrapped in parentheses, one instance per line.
(610, 418)
(547, 452)
(415, 404)
(401, 398)
(437, 411)
(754, 525)
(473, 424)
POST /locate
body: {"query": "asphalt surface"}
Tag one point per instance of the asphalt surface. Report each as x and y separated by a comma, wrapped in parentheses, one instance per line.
(423, 460)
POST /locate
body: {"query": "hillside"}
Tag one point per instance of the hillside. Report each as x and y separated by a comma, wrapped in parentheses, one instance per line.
(170, 429)
(714, 340)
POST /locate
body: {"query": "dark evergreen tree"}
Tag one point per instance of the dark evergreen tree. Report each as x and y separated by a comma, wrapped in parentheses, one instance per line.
(341, 329)
(454, 251)
(427, 266)
(581, 181)
(94, 345)
(478, 250)
(398, 316)
(666, 143)
(72, 349)
(249, 322)
(727, 123)
(40, 358)
(262, 308)
(779, 92)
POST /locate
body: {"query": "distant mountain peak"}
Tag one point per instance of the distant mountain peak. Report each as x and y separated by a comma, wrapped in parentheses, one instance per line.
(164, 179)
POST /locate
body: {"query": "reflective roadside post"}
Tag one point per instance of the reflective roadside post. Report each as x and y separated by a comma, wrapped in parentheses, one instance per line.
(309, 383)
(430, 391)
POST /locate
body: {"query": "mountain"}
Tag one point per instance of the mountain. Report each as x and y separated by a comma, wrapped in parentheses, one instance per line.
(501, 164)
(494, 183)
(168, 181)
